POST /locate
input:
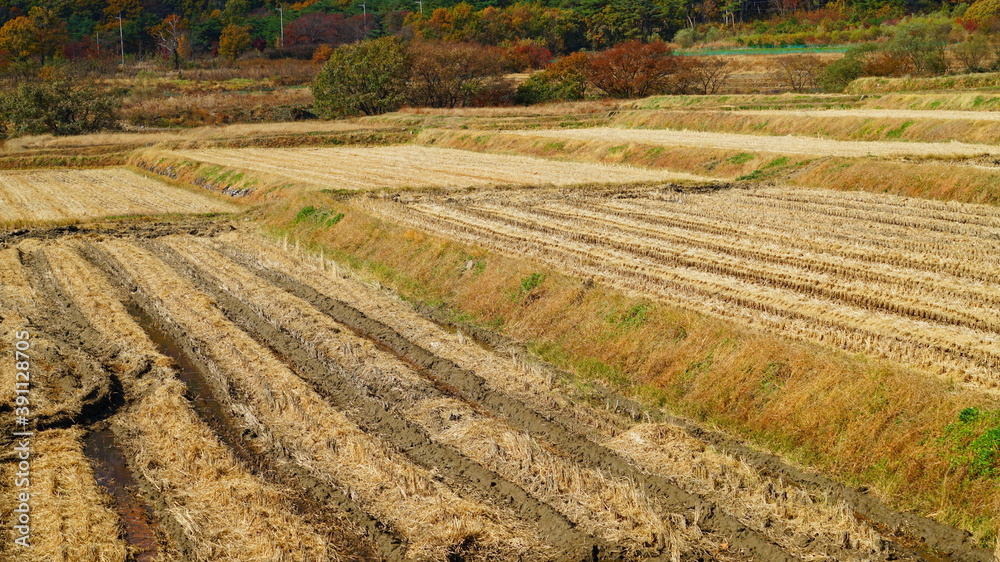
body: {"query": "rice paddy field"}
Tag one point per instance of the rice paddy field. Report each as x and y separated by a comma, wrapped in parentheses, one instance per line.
(493, 346)
(60, 195)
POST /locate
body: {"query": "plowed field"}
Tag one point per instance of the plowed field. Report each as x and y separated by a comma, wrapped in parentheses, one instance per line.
(256, 406)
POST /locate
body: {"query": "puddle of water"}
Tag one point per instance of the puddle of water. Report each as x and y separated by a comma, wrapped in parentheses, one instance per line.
(113, 476)
(199, 390)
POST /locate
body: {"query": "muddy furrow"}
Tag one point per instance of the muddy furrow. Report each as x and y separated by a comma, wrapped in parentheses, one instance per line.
(608, 508)
(197, 225)
(374, 415)
(64, 322)
(294, 423)
(312, 495)
(476, 390)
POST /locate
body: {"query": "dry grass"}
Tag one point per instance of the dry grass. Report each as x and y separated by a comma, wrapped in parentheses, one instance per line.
(196, 134)
(603, 506)
(225, 512)
(417, 167)
(217, 108)
(953, 181)
(81, 194)
(773, 144)
(73, 520)
(879, 84)
(291, 416)
(872, 423)
(840, 124)
(733, 484)
(783, 513)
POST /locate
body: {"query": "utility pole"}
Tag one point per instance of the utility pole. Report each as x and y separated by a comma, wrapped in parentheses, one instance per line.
(281, 22)
(364, 17)
(121, 36)
(421, 3)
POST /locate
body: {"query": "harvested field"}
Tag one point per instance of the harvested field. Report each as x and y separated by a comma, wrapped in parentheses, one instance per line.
(774, 144)
(33, 196)
(418, 167)
(319, 432)
(906, 280)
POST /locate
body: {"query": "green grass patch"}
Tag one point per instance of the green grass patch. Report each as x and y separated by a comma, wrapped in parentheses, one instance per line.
(975, 440)
(898, 131)
(741, 158)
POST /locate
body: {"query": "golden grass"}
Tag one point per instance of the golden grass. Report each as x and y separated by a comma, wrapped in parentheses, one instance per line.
(772, 144)
(702, 470)
(416, 167)
(432, 517)
(603, 506)
(225, 512)
(881, 84)
(782, 512)
(195, 134)
(930, 179)
(897, 303)
(976, 127)
(72, 518)
(855, 419)
(81, 194)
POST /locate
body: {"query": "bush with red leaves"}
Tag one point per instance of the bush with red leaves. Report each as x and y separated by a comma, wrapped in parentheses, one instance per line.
(634, 69)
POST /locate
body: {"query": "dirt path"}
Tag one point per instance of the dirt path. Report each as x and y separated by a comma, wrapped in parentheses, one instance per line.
(774, 144)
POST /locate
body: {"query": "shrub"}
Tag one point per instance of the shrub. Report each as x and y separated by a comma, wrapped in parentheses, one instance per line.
(367, 77)
(234, 41)
(708, 74)
(920, 45)
(457, 75)
(58, 108)
(562, 80)
(634, 69)
(973, 52)
(800, 72)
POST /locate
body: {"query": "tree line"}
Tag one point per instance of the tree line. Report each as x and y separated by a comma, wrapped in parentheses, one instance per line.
(34, 31)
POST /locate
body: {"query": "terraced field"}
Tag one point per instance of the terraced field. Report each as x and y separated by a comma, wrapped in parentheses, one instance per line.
(778, 144)
(262, 407)
(906, 280)
(50, 195)
(418, 167)
(201, 392)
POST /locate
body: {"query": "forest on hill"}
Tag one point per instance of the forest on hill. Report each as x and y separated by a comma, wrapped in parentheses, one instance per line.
(85, 29)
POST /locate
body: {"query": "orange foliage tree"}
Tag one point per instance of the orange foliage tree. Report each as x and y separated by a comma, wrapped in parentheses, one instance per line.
(634, 69)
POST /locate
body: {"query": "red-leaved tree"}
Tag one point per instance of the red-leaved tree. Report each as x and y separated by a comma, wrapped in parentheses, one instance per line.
(634, 69)
(329, 29)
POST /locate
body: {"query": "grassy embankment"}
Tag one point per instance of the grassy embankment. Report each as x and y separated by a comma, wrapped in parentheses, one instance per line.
(861, 421)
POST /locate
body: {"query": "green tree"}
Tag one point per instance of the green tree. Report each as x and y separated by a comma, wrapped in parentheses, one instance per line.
(562, 80)
(921, 45)
(367, 77)
(58, 108)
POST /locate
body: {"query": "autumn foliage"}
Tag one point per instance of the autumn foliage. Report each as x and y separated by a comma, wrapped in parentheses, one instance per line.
(634, 69)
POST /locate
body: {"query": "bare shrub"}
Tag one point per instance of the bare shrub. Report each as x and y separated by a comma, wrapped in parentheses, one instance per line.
(800, 72)
(709, 74)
